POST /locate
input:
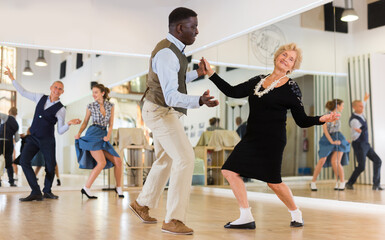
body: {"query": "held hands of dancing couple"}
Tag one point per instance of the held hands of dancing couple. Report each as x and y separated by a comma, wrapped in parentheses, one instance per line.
(205, 98)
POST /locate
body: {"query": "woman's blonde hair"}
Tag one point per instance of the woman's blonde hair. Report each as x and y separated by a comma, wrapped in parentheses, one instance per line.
(290, 47)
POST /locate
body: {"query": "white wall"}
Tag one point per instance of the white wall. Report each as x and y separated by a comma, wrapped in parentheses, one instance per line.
(323, 52)
(39, 82)
(377, 70)
(108, 70)
(132, 27)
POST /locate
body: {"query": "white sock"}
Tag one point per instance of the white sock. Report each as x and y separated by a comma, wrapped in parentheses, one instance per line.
(245, 217)
(296, 215)
(313, 185)
(342, 185)
(88, 190)
(119, 190)
(337, 185)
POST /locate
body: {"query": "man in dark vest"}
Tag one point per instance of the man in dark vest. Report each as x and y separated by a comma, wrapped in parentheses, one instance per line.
(8, 130)
(361, 146)
(166, 101)
(48, 112)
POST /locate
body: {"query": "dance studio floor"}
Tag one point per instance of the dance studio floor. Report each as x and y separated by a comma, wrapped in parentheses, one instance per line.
(109, 217)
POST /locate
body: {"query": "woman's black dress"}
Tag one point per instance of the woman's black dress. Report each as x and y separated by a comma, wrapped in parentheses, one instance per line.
(259, 154)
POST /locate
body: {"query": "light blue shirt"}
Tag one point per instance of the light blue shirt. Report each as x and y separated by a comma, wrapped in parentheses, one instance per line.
(354, 123)
(166, 65)
(60, 115)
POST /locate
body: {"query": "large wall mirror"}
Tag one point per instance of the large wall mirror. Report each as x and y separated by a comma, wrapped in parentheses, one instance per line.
(340, 61)
(318, 77)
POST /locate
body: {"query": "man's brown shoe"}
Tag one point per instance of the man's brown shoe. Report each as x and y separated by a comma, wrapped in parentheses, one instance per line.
(176, 227)
(142, 212)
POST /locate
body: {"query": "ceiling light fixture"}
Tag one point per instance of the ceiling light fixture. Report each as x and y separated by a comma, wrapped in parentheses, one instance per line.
(349, 14)
(27, 70)
(41, 62)
(56, 51)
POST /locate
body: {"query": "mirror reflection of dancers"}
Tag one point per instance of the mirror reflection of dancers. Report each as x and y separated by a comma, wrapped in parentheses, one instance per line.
(8, 130)
(49, 111)
(259, 154)
(94, 150)
(38, 162)
(361, 146)
(333, 148)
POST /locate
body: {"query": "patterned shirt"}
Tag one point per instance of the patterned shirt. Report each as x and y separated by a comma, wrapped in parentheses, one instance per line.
(97, 116)
(333, 126)
(296, 90)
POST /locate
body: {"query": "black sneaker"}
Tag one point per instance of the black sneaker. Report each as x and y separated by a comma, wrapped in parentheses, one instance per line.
(349, 186)
(377, 188)
(296, 224)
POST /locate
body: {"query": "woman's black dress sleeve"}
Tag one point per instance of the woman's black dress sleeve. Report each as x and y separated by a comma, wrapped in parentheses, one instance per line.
(239, 91)
(297, 109)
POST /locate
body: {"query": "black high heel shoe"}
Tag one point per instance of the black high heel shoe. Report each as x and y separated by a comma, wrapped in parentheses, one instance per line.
(121, 196)
(90, 197)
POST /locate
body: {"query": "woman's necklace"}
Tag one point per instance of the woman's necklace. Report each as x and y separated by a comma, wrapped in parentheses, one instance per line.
(268, 89)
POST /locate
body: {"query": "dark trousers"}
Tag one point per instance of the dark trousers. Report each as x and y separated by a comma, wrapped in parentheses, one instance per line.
(47, 147)
(361, 151)
(8, 158)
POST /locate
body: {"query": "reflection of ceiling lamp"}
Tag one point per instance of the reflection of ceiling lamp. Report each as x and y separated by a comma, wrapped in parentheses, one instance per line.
(56, 51)
(349, 14)
(27, 70)
(233, 103)
(41, 62)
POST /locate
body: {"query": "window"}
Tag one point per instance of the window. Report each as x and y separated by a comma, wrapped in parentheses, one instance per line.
(7, 100)
(7, 58)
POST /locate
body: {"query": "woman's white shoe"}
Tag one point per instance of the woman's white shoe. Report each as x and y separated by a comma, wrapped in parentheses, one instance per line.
(313, 186)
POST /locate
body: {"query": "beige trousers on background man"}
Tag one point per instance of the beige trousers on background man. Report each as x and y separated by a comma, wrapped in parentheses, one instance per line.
(174, 158)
